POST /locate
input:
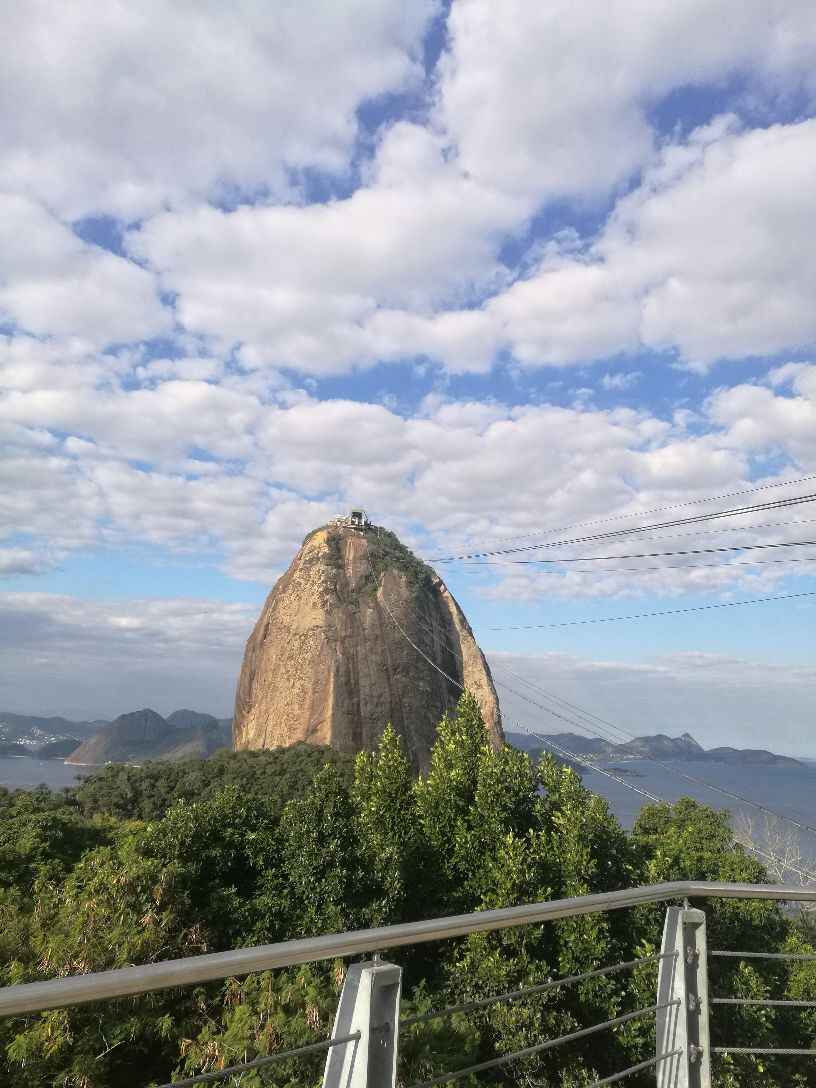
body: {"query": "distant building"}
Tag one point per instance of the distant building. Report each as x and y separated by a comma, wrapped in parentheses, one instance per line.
(355, 519)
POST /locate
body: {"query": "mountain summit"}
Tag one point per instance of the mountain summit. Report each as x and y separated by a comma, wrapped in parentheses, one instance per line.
(144, 734)
(358, 633)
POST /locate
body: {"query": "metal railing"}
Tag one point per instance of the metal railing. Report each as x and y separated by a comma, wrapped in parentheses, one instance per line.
(362, 1050)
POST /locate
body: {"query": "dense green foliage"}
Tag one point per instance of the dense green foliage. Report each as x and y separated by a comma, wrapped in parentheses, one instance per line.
(146, 792)
(386, 552)
(334, 554)
(141, 864)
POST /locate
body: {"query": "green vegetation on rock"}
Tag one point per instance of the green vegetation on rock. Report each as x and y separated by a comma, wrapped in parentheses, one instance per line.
(386, 552)
(334, 556)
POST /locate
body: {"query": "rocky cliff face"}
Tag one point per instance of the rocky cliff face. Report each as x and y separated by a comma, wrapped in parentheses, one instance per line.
(331, 659)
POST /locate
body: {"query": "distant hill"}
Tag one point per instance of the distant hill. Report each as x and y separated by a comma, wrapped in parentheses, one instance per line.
(58, 749)
(10, 748)
(36, 731)
(188, 719)
(144, 734)
(527, 743)
(659, 746)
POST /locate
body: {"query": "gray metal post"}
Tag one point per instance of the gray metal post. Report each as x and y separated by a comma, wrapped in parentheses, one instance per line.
(683, 977)
(369, 1004)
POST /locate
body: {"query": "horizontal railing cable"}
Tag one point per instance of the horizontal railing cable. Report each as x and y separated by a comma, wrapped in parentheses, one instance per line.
(526, 991)
(760, 1001)
(801, 956)
(547, 1045)
(258, 1063)
(789, 1052)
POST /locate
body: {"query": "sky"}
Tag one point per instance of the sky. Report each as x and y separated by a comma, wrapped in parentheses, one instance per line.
(502, 274)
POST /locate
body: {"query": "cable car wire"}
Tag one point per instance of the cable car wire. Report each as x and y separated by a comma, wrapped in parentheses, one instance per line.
(648, 555)
(637, 570)
(649, 615)
(588, 728)
(777, 504)
(654, 510)
(802, 826)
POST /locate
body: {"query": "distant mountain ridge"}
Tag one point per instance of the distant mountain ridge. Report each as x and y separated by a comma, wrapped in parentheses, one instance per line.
(137, 736)
(34, 730)
(659, 746)
(144, 734)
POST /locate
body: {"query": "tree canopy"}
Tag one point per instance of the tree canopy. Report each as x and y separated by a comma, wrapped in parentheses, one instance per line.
(141, 864)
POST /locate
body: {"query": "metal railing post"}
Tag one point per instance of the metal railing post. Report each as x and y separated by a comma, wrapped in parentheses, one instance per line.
(369, 1004)
(683, 977)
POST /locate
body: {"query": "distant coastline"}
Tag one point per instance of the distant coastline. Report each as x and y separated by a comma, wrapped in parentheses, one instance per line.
(595, 751)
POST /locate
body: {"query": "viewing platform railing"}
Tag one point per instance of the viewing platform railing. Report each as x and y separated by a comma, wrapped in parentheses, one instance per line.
(363, 1048)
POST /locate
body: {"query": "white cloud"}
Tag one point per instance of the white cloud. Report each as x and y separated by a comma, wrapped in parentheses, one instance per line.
(553, 99)
(42, 497)
(238, 474)
(123, 109)
(322, 288)
(568, 312)
(758, 418)
(53, 284)
(708, 257)
(620, 381)
(17, 562)
(167, 109)
(163, 653)
(730, 272)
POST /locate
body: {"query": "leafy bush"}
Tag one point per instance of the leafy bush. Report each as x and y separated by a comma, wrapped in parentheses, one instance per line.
(271, 846)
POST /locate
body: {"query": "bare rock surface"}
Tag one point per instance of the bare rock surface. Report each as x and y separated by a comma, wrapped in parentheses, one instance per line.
(337, 652)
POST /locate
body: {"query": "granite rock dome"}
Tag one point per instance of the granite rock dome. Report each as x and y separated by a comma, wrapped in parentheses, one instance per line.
(335, 655)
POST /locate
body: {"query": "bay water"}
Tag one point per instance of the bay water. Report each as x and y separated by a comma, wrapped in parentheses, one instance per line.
(21, 772)
(788, 791)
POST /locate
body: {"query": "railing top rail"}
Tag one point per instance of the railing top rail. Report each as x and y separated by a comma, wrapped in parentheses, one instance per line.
(126, 981)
